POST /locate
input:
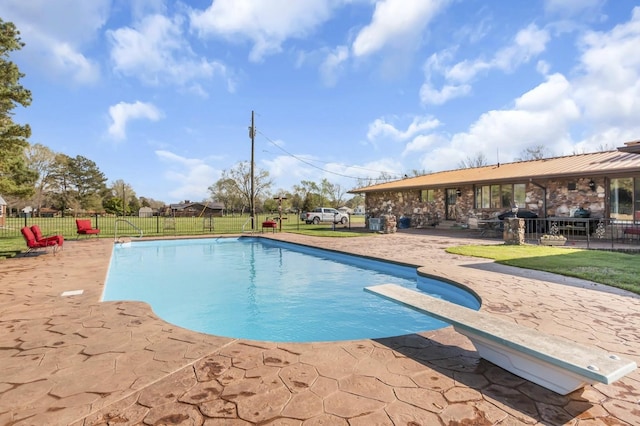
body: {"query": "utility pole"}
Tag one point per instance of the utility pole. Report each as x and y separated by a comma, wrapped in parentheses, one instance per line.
(252, 204)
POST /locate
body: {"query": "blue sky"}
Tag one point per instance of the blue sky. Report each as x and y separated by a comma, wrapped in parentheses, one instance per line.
(160, 93)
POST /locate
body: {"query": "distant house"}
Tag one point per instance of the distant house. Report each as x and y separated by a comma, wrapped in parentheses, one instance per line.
(145, 212)
(47, 212)
(345, 210)
(202, 209)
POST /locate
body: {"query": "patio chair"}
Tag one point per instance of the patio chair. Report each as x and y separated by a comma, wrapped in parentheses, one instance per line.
(85, 228)
(34, 245)
(59, 239)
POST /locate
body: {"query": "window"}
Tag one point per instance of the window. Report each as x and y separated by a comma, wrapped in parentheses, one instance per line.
(500, 196)
(427, 195)
(622, 198)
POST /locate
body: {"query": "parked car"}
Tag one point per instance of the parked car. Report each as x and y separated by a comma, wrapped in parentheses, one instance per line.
(325, 214)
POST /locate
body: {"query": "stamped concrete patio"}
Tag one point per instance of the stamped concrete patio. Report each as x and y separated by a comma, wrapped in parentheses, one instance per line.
(74, 360)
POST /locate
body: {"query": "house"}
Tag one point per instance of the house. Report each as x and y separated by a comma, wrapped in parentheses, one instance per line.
(48, 212)
(605, 183)
(202, 209)
(145, 212)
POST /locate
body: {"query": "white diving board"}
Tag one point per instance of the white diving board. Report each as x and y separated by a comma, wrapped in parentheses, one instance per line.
(550, 361)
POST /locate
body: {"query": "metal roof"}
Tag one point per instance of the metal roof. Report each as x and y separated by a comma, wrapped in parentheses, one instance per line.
(581, 165)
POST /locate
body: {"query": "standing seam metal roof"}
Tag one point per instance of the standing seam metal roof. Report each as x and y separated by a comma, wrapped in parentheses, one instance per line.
(581, 165)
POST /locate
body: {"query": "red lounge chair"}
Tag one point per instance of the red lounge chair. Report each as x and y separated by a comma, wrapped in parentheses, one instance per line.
(34, 245)
(84, 228)
(38, 234)
(270, 224)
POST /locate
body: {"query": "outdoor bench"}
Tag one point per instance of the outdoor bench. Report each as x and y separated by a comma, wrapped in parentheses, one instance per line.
(270, 224)
(550, 361)
(632, 231)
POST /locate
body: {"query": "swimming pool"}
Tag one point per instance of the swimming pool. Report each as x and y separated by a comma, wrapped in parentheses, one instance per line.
(260, 289)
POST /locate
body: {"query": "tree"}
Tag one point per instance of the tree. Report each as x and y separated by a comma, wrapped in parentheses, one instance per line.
(41, 161)
(479, 160)
(236, 182)
(310, 193)
(333, 192)
(78, 183)
(121, 199)
(88, 181)
(15, 178)
(537, 152)
(228, 193)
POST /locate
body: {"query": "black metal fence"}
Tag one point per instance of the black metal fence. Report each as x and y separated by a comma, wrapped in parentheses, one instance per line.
(584, 232)
(110, 226)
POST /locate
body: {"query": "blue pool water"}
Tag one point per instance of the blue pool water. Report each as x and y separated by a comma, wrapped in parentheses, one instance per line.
(266, 290)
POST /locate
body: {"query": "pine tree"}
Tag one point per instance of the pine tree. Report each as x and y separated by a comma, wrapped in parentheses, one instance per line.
(15, 178)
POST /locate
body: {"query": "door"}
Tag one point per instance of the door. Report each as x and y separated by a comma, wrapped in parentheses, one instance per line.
(450, 203)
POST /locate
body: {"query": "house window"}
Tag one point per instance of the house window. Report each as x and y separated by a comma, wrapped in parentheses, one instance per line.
(500, 196)
(622, 192)
(427, 195)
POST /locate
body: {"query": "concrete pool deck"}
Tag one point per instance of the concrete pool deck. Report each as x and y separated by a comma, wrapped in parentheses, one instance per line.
(74, 360)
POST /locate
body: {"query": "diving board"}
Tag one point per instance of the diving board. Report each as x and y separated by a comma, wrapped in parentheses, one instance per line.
(550, 361)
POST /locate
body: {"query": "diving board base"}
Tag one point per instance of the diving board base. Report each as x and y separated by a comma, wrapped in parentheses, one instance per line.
(552, 362)
(535, 370)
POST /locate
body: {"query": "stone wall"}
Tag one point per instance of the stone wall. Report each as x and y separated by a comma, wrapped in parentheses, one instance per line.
(564, 196)
(406, 204)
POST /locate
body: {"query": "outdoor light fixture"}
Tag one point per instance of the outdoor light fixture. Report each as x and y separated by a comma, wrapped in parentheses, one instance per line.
(458, 192)
(592, 185)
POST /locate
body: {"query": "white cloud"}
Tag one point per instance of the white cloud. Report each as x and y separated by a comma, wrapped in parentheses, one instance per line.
(422, 143)
(542, 115)
(123, 112)
(528, 43)
(155, 51)
(609, 87)
(572, 7)
(55, 34)
(395, 23)
(433, 96)
(381, 129)
(267, 23)
(191, 176)
(333, 64)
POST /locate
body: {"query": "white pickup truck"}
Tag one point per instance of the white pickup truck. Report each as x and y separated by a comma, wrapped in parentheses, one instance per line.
(324, 214)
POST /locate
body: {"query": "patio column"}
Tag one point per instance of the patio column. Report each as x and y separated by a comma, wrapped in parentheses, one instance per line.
(513, 231)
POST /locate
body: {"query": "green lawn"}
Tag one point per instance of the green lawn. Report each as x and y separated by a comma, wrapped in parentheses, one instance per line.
(621, 270)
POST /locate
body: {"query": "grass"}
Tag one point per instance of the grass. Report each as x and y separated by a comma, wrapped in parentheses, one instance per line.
(11, 247)
(621, 270)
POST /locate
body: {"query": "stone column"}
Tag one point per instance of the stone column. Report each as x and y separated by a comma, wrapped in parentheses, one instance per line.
(513, 231)
(389, 223)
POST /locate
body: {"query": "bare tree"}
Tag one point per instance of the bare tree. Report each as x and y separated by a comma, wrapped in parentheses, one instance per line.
(479, 160)
(537, 152)
(237, 181)
(41, 160)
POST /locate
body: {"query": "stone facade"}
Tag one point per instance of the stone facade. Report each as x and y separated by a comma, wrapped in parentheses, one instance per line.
(563, 197)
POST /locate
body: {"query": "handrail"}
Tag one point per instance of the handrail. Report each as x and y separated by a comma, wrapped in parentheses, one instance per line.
(244, 224)
(115, 232)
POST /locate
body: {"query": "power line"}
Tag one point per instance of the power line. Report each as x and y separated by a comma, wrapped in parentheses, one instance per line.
(326, 170)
